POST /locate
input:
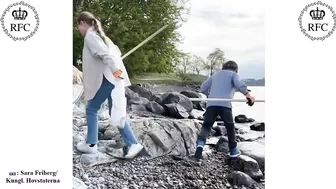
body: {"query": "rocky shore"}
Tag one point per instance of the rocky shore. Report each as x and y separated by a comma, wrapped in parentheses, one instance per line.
(166, 123)
(167, 172)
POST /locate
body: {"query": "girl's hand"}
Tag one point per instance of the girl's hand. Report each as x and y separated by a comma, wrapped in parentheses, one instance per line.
(117, 74)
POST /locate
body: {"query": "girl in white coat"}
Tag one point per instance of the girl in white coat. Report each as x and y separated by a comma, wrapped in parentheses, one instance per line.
(101, 70)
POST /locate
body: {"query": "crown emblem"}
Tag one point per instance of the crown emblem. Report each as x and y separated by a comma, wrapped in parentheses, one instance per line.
(19, 14)
(317, 14)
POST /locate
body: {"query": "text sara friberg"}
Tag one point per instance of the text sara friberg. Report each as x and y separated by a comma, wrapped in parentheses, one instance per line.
(39, 172)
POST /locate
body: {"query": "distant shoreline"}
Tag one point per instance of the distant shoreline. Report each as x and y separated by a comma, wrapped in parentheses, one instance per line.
(254, 82)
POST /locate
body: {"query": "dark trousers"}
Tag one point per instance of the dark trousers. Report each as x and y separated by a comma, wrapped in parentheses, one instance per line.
(225, 114)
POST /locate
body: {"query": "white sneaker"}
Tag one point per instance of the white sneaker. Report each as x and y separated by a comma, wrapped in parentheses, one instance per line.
(85, 148)
(133, 151)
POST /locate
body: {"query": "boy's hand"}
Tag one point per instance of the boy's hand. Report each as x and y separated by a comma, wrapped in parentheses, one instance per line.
(250, 99)
(117, 74)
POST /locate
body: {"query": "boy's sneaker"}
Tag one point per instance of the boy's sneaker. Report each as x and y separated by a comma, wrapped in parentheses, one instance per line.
(133, 151)
(85, 148)
(234, 152)
(198, 153)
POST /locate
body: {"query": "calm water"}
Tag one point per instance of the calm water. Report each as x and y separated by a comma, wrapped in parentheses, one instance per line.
(257, 111)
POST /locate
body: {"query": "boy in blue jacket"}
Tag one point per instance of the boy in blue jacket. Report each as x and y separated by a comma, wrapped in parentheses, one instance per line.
(222, 84)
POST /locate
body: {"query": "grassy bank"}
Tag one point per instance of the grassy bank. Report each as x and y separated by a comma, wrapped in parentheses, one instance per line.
(169, 79)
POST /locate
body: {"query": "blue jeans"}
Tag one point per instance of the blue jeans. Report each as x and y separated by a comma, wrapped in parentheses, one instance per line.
(92, 108)
(126, 132)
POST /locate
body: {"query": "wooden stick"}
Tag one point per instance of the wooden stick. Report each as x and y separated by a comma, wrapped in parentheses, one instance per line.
(145, 41)
(222, 100)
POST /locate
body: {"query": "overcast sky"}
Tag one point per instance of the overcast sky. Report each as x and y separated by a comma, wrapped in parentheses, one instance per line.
(236, 27)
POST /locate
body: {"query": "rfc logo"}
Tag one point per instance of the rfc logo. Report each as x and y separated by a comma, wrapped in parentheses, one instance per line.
(317, 21)
(20, 21)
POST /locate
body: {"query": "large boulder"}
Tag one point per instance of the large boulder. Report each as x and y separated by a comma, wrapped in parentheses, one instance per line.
(238, 178)
(175, 97)
(176, 111)
(160, 136)
(192, 94)
(156, 98)
(254, 150)
(155, 107)
(143, 92)
(138, 101)
(130, 94)
(222, 145)
(247, 165)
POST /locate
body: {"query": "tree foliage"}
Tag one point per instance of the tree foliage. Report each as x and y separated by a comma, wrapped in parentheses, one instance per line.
(183, 63)
(198, 63)
(214, 60)
(127, 23)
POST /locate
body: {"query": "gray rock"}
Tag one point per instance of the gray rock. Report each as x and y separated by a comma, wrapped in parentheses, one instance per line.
(77, 137)
(196, 114)
(102, 125)
(161, 135)
(93, 158)
(176, 111)
(101, 136)
(110, 133)
(239, 178)
(212, 141)
(138, 101)
(258, 126)
(103, 115)
(78, 121)
(241, 118)
(107, 143)
(222, 145)
(247, 165)
(130, 94)
(138, 108)
(192, 94)
(251, 135)
(143, 92)
(220, 130)
(156, 98)
(254, 150)
(85, 177)
(155, 108)
(101, 180)
(78, 184)
(174, 97)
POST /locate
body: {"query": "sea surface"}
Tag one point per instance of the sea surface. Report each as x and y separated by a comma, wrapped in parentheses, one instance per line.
(257, 111)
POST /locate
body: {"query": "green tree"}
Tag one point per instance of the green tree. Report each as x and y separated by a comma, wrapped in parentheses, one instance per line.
(128, 22)
(184, 63)
(214, 60)
(198, 63)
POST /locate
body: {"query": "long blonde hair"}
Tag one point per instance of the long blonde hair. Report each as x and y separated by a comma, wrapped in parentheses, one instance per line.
(91, 20)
